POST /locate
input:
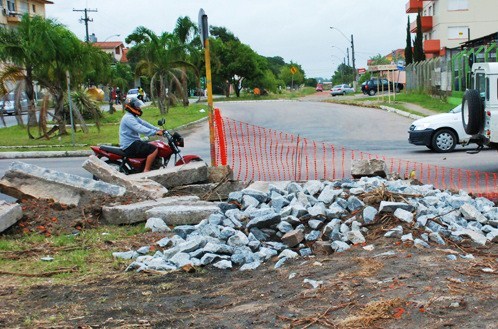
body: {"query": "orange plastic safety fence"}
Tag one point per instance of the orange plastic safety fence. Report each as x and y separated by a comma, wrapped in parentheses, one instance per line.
(257, 153)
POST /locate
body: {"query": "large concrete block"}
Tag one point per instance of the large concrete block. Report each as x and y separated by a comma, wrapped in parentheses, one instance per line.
(210, 191)
(190, 173)
(23, 180)
(144, 188)
(135, 212)
(189, 214)
(9, 214)
(368, 168)
(219, 174)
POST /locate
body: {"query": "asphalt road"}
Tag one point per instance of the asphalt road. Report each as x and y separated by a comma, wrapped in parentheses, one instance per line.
(365, 129)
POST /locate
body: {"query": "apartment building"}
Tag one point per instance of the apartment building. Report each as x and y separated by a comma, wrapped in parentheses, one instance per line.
(12, 10)
(446, 24)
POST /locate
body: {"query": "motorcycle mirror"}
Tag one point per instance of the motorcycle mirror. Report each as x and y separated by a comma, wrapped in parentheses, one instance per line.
(161, 122)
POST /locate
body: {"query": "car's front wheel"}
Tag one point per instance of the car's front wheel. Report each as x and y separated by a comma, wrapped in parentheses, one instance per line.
(444, 141)
(372, 92)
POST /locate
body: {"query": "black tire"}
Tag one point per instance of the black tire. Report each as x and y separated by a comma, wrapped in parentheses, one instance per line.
(444, 141)
(472, 112)
(372, 92)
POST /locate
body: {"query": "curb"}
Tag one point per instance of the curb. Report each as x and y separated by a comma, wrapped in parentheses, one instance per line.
(403, 113)
(45, 154)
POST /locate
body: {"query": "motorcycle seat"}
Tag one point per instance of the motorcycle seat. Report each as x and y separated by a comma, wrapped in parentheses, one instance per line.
(113, 149)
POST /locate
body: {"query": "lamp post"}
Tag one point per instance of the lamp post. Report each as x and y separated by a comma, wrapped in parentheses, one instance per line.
(352, 49)
(345, 54)
(114, 35)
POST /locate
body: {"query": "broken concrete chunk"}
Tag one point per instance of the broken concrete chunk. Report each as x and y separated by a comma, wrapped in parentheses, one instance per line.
(26, 180)
(190, 173)
(220, 174)
(186, 214)
(135, 213)
(390, 207)
(10, 213)
(157, 225)
(368, 168)
(141, 187)
(293, 238)
(470, 212)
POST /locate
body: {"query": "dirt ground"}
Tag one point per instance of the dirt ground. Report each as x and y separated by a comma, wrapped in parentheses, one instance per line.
(413, 288)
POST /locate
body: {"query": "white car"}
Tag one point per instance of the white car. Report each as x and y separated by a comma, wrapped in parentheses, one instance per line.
(7, 103)
(341, 90)
(440, 132)
(133, 93)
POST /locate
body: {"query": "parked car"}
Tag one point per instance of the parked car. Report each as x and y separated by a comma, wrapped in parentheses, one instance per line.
(133, 93)
(440, 132)
(372, 86)
(8, 104)
(341, 90)
(319, 87)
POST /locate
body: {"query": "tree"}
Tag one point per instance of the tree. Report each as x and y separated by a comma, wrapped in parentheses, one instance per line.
(343, 74)
(162, 58)
(378, 60)
(418, 48)
(408, 48)
(290, 79)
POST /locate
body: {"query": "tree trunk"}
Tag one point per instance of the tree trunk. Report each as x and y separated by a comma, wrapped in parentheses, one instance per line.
(30, 93)
(161, 95)
(184, 90)
(59, 110)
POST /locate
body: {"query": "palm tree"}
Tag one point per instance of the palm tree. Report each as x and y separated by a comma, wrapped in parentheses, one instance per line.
(162, 59)
(187, 33)
(22, 50)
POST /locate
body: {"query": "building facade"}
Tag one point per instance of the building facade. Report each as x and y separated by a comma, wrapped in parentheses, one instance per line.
(13, 10)
(447, 24)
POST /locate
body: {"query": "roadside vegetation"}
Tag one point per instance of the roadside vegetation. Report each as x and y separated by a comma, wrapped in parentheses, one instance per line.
(15, 139)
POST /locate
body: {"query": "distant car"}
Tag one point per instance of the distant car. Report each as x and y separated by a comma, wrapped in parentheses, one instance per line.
(8, 104)
(374, 85)
(341, 90)
(133, 93)
(440, 132)
(319, 87)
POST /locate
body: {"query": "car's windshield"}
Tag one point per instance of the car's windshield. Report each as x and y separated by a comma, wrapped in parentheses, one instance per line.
(457, 109)
(338, 86)
(133, 91)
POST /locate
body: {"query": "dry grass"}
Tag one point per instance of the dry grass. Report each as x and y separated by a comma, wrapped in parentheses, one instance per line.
(371, 313)
(369, 267)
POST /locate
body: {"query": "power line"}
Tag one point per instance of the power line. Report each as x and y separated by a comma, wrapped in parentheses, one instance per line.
(86, 19)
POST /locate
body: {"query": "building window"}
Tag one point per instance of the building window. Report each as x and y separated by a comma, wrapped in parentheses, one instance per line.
(458, 32)
(458, 4)
(34, 8)
(118, 50)
(11, 5)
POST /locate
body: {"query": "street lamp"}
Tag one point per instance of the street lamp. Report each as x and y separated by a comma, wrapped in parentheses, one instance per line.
(347, 50)
(352, 48)
(114, 35)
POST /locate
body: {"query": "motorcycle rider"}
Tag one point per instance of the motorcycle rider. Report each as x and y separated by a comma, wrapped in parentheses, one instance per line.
(130, 129)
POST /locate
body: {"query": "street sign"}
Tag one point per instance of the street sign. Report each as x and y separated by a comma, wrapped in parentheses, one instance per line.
(203, 26)
(293, 70)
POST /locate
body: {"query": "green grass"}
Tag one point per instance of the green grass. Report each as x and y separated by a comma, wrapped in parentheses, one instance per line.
(15, 138)
(89, 253)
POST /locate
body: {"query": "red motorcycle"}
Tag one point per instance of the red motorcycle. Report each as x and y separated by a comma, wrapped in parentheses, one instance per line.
(168, 145)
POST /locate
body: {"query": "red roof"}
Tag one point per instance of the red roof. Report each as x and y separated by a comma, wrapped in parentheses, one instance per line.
(108, 44)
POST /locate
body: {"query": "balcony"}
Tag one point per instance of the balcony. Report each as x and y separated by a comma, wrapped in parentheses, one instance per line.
(426, 24)
(414, 6)
(432, 46)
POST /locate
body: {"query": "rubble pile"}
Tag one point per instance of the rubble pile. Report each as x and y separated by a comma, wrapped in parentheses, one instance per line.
(302, 219)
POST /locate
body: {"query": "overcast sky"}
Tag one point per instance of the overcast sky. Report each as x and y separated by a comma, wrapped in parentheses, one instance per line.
(296, 30)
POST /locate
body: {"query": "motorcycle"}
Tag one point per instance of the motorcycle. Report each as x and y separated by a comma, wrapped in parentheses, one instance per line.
(168, 145)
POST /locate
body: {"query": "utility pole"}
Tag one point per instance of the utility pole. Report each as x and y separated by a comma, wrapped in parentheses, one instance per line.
(347, 50)
(86, 20)
(352, 55)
